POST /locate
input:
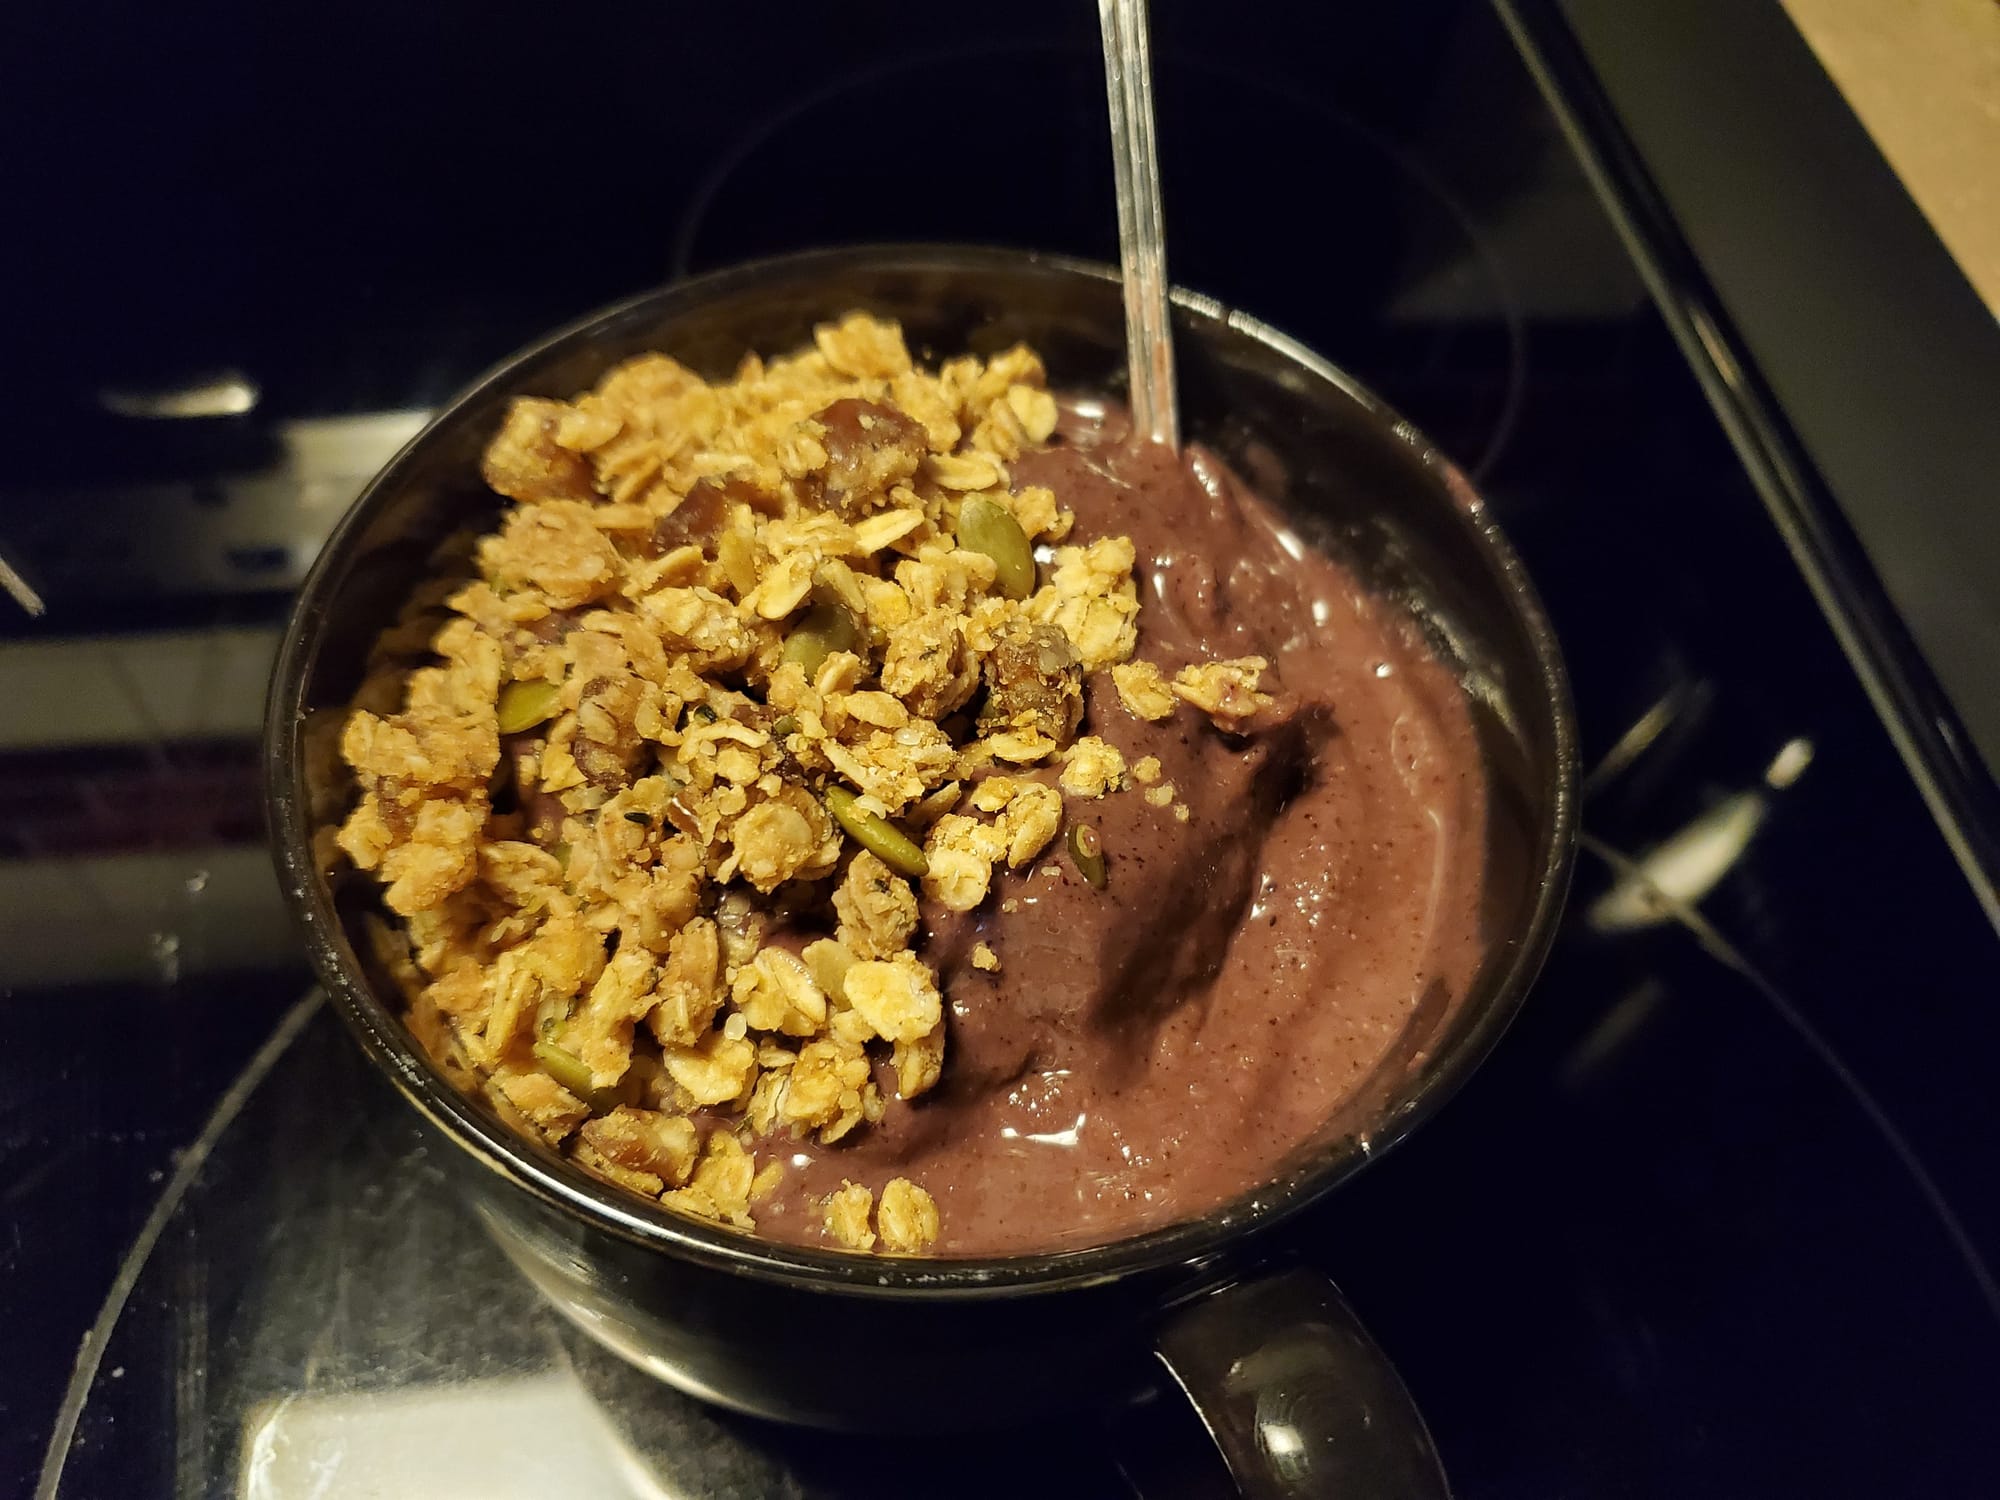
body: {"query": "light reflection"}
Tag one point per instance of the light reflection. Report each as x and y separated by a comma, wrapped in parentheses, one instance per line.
(526, 1436)
(1681, 870)
(1788, 764)
(1067, 1137)
(1684, 868)
(227, 394)
(1281, 1440)
(1261, 902)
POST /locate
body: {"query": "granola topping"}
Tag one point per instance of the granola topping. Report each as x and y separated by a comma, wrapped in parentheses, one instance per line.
(711, 666)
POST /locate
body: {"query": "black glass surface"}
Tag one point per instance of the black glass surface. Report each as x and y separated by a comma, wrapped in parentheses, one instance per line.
(1716, 1218)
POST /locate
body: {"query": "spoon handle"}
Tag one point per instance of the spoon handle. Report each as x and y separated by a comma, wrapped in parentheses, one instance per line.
(1142, 234)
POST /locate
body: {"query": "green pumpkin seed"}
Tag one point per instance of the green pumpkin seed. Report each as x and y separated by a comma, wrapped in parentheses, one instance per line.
(825, 628)
(569, 1070)
(877, 835)
(1086, 851)
(984, 526)
(523, 705)
(565, 1067)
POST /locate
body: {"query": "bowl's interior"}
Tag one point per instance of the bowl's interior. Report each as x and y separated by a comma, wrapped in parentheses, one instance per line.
(1354, 479)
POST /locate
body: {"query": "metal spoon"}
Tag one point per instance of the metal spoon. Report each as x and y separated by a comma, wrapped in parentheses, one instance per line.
(1142, 234)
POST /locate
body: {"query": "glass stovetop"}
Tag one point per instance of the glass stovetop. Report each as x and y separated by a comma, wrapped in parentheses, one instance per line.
(1716, 1218)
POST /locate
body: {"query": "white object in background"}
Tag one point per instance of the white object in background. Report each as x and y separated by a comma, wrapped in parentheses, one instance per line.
(536, 1438)
(18, 589)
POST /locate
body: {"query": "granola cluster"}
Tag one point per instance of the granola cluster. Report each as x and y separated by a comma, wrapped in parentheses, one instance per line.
(743, 663)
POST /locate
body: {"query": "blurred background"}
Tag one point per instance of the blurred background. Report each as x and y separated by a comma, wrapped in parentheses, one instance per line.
(1702, 293)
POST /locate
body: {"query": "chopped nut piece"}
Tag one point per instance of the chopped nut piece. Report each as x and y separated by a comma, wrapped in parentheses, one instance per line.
(1035, 508)
(1161, 795)
(993, 793)
(1034, 682)
(1225, 690)
(1146, 770)
(985, 958)
(644, 1140)
(646, 1184)
(552, 1108)
(870, 448)
(928, 666)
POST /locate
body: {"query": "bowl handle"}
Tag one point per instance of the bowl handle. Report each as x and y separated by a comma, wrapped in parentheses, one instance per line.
(1296, 1395)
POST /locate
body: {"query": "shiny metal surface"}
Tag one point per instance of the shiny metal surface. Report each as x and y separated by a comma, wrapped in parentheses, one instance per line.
(1142, 230)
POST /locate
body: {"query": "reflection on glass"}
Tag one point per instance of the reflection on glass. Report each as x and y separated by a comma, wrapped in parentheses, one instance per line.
(1682, 869)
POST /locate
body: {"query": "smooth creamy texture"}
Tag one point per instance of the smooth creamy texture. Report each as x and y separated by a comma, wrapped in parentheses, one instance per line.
(1153, 1049)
